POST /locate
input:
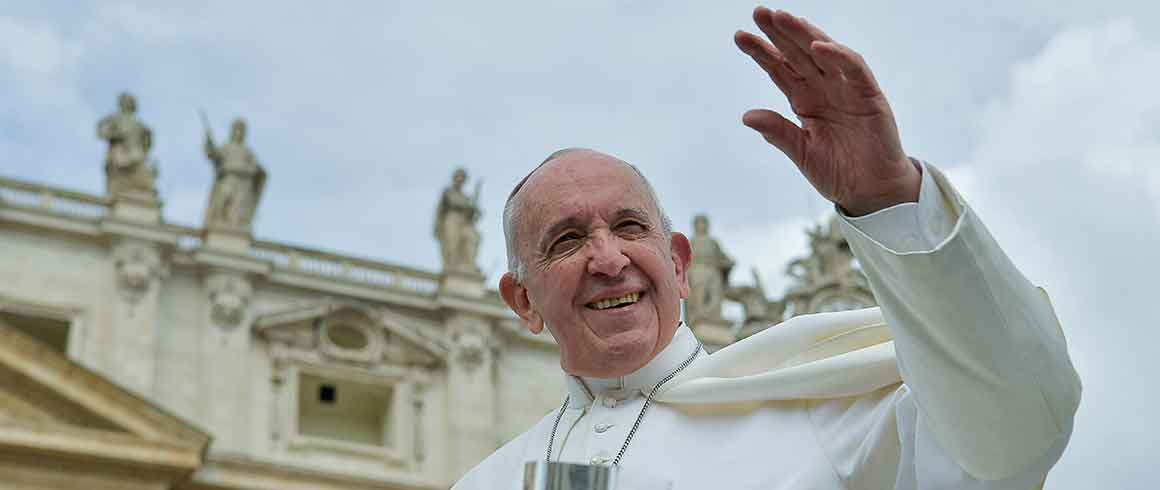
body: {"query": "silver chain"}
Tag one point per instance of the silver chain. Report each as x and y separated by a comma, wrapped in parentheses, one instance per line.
(636, 425)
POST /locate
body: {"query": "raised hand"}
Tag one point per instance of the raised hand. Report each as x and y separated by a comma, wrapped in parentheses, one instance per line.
(847, 144)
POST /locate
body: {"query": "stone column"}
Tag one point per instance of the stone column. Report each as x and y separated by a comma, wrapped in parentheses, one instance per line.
(137, 271)
(225, 381)
(471, 392)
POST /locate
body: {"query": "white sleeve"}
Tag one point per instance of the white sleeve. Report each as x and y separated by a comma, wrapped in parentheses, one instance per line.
(981, 353)
(880, 440)
(912, 226)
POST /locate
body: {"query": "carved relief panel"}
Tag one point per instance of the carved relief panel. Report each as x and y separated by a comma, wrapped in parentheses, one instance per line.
(229, 297)
(138, 266)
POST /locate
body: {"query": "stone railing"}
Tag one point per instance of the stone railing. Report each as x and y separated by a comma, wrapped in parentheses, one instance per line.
(326, 264)
(188, 238)
(46, 199)
(20, 194)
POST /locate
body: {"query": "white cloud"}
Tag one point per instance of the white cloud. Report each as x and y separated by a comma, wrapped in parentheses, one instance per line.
(35, 49)
(141, 21)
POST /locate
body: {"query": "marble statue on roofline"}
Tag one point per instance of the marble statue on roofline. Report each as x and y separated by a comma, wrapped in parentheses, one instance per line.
(238, 180)
(759, 312)
(128, 168)
(455, 219)
(708, 274)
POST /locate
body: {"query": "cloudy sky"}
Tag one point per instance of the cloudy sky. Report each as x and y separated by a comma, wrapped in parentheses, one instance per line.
(1046, 114)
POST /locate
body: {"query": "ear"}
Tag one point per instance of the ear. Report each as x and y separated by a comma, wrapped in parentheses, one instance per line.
(516, 297)
(682, 254)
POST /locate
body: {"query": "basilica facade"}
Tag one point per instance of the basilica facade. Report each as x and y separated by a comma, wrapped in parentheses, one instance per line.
(139, 353)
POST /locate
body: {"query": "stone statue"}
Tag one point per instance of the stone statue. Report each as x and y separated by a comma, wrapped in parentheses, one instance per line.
(830, 258)
(455, 219)
(127, 165)
(826, 279)
(708, 274)
(238, 180)
(760, 311)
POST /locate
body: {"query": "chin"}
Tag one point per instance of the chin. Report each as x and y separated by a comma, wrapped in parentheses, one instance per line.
(629, 351)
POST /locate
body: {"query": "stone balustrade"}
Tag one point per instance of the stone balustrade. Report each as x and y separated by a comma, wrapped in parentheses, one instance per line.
(322, 263)
(77, 205)
(17, 193)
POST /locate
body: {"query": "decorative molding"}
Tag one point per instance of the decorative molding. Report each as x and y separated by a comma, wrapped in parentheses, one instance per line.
(390, 337)
(138, 266)
(355, 328)
(471, 345)
(229, 297)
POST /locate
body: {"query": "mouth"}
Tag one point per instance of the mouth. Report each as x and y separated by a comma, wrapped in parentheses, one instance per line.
(617, 302)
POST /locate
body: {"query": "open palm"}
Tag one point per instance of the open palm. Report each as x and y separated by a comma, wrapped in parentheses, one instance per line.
(847, 145)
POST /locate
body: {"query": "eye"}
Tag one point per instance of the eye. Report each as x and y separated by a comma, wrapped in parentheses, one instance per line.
(566, 240)
(631, 227)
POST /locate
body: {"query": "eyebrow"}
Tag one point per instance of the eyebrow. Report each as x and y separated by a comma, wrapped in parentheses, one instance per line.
(636, 213)
(575, 222)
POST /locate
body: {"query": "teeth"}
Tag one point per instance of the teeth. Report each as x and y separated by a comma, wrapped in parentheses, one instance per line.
(610, 302)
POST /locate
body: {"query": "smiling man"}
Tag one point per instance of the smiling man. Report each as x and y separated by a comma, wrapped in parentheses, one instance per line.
(961, 380)
(592, 251)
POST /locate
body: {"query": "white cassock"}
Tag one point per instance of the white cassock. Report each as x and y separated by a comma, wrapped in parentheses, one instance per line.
(960, 381)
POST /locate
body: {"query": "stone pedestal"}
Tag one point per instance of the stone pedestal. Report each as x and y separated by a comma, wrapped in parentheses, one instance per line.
(228, 239)
(461, 283)
(714, 334)
(136, 206)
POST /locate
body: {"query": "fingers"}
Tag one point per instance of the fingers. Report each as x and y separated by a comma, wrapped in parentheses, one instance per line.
(812, 54)
(853, 66)
(769, 59)
(785, 32)
(777, 130)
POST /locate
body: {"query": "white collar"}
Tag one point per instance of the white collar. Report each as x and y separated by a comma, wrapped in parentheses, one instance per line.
(583, 390)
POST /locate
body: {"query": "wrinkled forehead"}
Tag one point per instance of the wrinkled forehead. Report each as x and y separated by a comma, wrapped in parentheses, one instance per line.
(581, 182)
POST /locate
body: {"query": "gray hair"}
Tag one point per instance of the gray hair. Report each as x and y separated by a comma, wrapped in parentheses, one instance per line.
(511, 216)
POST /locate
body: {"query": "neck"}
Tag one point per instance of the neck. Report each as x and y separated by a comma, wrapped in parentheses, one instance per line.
(584, 389)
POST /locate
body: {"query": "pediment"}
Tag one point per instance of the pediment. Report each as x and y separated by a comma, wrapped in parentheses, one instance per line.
(352, 332)
(49, 403)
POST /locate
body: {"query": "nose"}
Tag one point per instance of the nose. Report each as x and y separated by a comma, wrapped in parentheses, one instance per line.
(606, 257)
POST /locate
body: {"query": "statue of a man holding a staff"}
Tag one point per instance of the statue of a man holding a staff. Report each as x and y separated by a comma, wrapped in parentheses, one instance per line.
(455, 220)
(239, 179)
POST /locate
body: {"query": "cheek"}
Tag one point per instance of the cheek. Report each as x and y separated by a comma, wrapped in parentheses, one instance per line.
(556, 286)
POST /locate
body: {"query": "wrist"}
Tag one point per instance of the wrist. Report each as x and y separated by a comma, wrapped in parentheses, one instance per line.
(901, 189)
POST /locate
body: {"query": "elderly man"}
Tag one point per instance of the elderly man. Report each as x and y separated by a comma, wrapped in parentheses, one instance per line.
(961, 380)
